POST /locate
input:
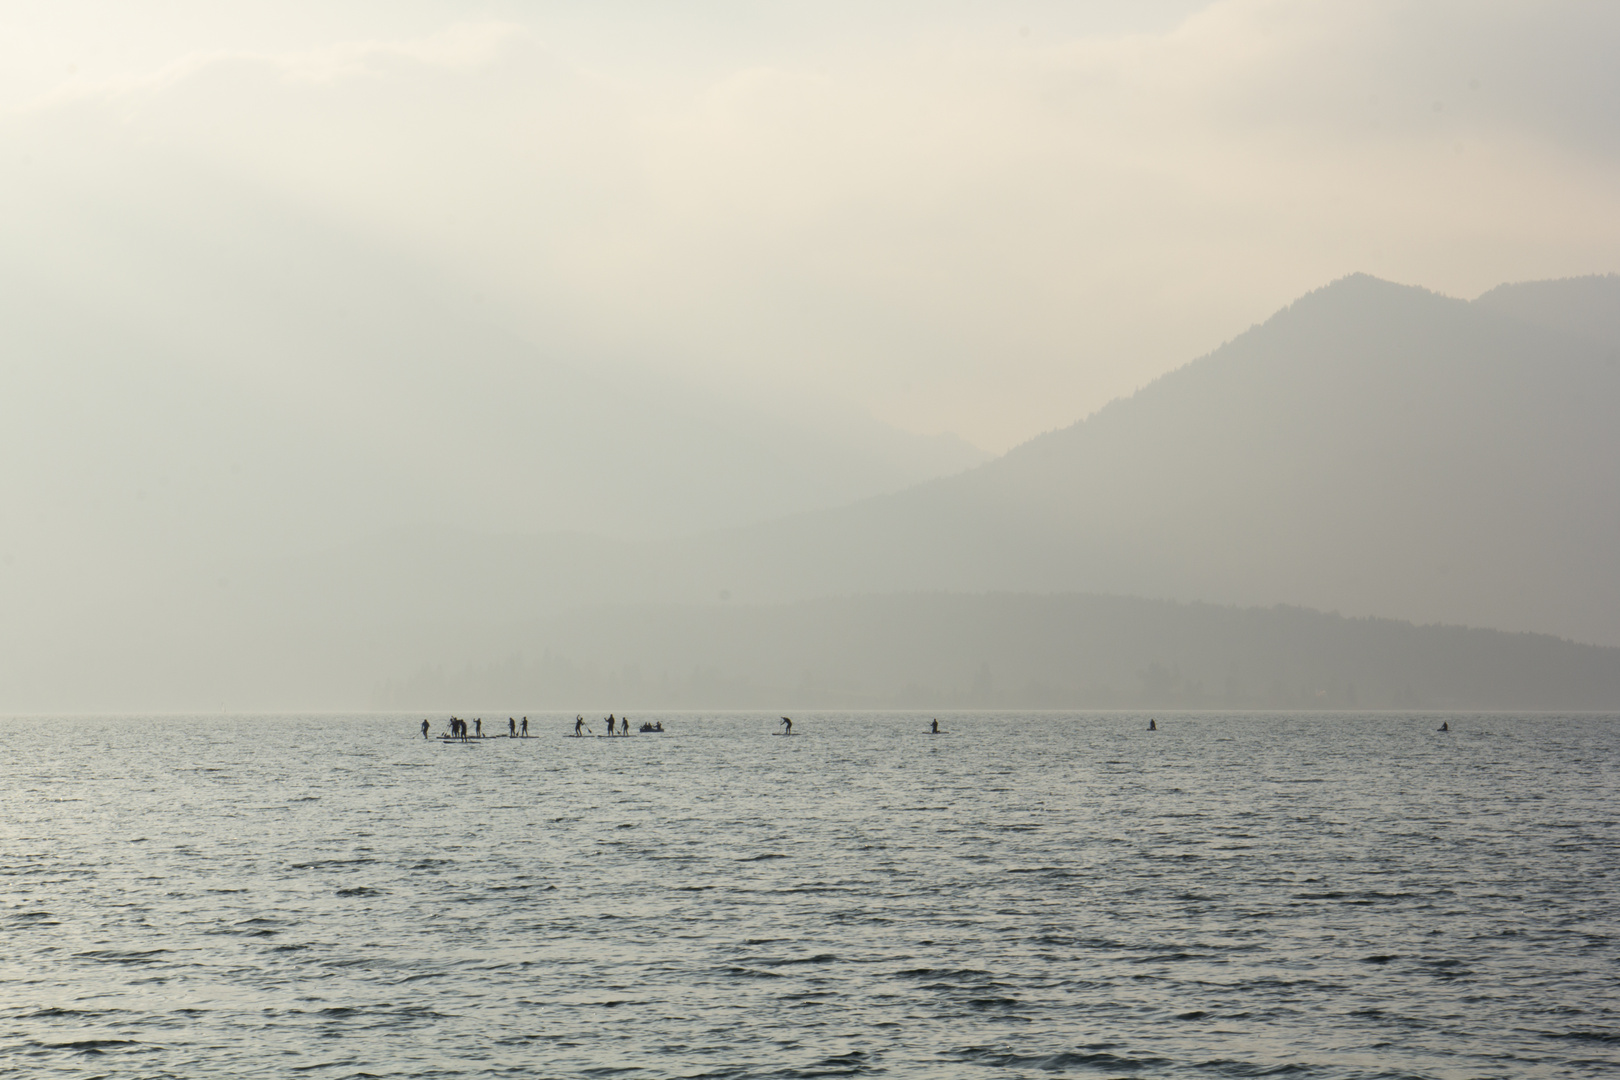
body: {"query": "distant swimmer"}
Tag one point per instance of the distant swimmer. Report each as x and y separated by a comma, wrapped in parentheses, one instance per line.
(579, 725)
(424, 729)
(525, 727)
(787, 726)
(935, 728)
(1153, 725)
(1444, 726)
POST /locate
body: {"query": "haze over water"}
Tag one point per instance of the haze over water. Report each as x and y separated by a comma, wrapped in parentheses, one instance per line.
(1023, 895)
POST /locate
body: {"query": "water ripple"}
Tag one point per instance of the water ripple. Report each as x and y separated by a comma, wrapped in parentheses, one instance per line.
(1350, 897)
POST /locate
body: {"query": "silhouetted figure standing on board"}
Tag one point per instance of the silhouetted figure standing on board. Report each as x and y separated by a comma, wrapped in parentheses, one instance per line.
(525, 727)
(935, 729)
(478, 726)
(579, 726)
(1444, 726)
(610, 723)
(787, 726)
(1153, 725)
(624, 725)
(424, 729)
(511, 728)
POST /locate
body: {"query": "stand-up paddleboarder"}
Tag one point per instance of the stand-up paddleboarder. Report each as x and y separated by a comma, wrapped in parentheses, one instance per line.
(525, 727)
(787, 726)
(424, 729)
(579, 726)
(1153, 725)
(935, 729)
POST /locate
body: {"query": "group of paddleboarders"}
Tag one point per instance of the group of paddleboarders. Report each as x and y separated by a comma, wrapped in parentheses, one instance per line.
(614, 726)
(618, 726)
(458, 729)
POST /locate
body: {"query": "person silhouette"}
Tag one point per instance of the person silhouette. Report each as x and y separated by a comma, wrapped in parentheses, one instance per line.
(624, 725)
(935, 728)
(478, 726)
(424, 729)
(1153, 725)
(1444, 726)
(511, 728)
(579, 725)
(787, 726)
(525, 727)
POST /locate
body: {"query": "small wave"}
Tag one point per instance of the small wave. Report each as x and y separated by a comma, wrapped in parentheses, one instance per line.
(819, 958)
(1094, 1056)
(89, 1046)
(1246, 1068)
(1586, 1036)
(994, 1003)
(853, 1063)
(112, 956)
(942, 973)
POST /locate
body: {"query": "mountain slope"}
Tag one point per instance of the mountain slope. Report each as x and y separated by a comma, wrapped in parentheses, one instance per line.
(1372, 449)
(1011, 651)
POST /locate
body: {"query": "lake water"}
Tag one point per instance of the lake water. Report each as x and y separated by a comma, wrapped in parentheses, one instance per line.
(1023, 895)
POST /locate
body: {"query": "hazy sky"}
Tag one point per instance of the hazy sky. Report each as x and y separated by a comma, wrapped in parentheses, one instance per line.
(982, 218)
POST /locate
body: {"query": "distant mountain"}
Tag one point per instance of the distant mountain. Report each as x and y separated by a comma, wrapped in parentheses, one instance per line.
(947, 651)
(1373, 449)
(1585, 307)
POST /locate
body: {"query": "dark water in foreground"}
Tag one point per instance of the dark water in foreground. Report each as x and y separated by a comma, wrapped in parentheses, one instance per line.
(1021, 896)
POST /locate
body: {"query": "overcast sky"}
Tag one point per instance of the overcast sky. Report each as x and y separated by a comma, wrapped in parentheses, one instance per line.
(981, 218)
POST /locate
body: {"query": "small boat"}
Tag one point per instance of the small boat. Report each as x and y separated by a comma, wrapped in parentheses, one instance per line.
(651, 727)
